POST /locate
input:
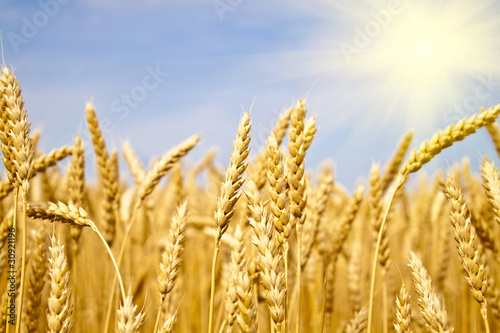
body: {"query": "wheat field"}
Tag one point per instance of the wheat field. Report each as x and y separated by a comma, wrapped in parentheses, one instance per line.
(259, 246)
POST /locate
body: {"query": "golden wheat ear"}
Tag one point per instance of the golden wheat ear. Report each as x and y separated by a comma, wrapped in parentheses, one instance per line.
(432, 308)
(60, 310)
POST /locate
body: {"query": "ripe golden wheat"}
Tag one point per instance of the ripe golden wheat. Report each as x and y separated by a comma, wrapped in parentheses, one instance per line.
(178, 248)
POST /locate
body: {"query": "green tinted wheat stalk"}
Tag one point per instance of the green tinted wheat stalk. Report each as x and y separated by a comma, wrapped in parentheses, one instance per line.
(418, 157)
(230, 193)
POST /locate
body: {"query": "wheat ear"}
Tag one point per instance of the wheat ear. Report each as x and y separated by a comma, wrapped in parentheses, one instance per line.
(60, 311)
(475, 272)
(63, 213)
(445, 138)
(432, 310)
(403, 311)
(171, 256)
(259, 166)
(247, 309)
(37, 281)
(301, 135)
(134, 164)
(19, 151)
(494, 132)
(128, 320)
(491, 186)
(278, 189)
(358, 323)
(269, 261)
(237, 265)
(392, 167)
(106, 173)
(76, 185)
(230, 193)
(40, 164)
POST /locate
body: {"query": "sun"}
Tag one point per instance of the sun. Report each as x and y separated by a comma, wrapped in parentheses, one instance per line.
(423, 57)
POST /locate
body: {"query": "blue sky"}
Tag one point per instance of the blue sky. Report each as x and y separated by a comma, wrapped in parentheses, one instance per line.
(212, 62)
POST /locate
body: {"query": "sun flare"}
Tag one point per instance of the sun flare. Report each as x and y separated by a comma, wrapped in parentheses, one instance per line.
(421, 57)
